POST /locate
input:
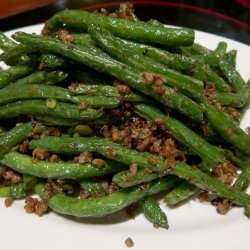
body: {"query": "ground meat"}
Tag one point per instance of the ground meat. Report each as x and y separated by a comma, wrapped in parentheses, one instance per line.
(98, 163)
(207, 131)
(127, 12)
(103, 11)
(64, 36)
(152, 79)
(84, 194)
(123, 112)
(112, 188)
(152, 161)
(84, 157)
(33, 205)
(9, 176)
(42, 66)
(82, 106)
(203, 196)
(226, 172)
(24, 147)
(129, 242)
(146, 136)
(52, 131)
(121, 87)
(160, 90)
(54, 158)
(49, 190)
(210, 93)
(222, 205)
(233, 113)
(8, 202)
(133, 169)
(115, 134)
(109, 153)
(39, 154)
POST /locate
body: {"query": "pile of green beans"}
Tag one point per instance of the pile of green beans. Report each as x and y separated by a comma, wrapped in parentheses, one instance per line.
(77, 84)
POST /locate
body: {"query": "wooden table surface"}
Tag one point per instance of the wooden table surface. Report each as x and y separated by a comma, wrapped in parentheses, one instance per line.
(12, 7)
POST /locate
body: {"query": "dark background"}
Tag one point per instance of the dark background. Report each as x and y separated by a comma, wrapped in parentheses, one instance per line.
(229, 18)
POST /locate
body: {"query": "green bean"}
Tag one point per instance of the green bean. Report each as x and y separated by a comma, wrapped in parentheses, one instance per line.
(181, 193)
(58, 121)
(153, 212)
(13, 137)
(53, 61)
(208, 183)
(226, 68)
(107, 91)
(102, 146)
(139, 31)
(221, 49)
(19, 190)
(205, 73)
(230, 56)
(68, 122)
(33, 91)
(209, 153)
(230, 99)
(182, 170)
(233, 77)
(176, 61)
(95, 207)
(57, 170)
(92, 77)
(128, 179)
(238, 159)
(45, 77)
(92, 187)
(15, 52)
(227, 129)
(102, 62)
(39, 108)
(5, 42)
(243, 179)
(118, 49)
(13, 73)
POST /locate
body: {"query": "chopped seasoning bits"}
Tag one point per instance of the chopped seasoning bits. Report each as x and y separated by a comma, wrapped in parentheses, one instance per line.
(129, 242)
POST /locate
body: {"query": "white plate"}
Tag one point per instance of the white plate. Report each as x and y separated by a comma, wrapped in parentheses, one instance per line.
(194, 226)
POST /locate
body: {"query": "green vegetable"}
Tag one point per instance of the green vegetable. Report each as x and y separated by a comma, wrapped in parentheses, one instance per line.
(39, 108)
(139, 31)
(14, 136)
(153, 212)
(100, 61)
(57, 170)
(94, 207)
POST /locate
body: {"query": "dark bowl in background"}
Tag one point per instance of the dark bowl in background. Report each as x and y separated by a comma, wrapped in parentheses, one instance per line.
(229, 18)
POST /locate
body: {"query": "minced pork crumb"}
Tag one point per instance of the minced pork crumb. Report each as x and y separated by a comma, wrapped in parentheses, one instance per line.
(8, 202)
(146, 136)
(122, 87)
(64, 35)
(129, 242)
(222, 205)
(33, 205)
(226, 172)
(9, 176)
(39, 154)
